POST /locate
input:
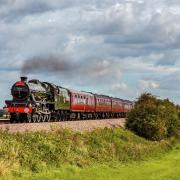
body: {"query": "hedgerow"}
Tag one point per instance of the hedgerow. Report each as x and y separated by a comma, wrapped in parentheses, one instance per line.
(153, 118)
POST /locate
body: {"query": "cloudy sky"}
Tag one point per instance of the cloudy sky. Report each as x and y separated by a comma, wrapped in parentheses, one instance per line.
(116, 47)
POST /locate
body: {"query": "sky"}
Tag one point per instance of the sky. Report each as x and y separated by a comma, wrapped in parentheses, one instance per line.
(121, 48)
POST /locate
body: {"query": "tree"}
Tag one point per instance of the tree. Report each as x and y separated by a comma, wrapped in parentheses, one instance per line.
(153, 118)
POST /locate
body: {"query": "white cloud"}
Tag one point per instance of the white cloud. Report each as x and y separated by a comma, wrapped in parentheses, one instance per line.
(146, 85)
(119, 87)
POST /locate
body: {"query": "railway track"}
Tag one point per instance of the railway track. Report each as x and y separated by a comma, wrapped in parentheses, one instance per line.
(81, 125)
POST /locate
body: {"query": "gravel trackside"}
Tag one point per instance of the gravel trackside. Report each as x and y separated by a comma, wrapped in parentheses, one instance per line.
(80, 126)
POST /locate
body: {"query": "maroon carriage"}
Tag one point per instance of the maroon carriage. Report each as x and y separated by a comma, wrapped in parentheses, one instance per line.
(128, 105)
(103, 106)
(117, 105)
(82, 104)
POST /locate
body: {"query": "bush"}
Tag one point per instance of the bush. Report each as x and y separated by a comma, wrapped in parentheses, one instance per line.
(153, 118)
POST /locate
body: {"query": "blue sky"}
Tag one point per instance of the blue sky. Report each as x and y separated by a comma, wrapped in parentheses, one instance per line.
(116, 47)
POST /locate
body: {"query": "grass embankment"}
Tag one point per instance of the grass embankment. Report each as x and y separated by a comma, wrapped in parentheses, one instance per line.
(165, 167)
(64, 151)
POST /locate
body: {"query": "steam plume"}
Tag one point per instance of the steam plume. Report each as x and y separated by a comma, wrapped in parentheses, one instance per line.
(48, 64)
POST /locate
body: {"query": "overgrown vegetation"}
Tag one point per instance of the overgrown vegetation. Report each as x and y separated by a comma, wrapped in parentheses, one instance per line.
(36, 151)
(165, 167)
(153, 118)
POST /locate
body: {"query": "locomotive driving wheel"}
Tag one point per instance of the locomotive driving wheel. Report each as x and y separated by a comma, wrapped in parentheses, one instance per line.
(28, 118)
(34, 117)
(39, 118)
(43, 119)
(48, 116)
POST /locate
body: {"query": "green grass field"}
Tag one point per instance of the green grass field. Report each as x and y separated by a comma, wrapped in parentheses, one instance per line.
(163, 168)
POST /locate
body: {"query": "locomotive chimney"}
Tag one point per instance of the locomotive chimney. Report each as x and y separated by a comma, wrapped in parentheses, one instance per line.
(24, 79)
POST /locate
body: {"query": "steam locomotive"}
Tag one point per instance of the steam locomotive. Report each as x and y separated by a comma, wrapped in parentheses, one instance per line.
(36, 101)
